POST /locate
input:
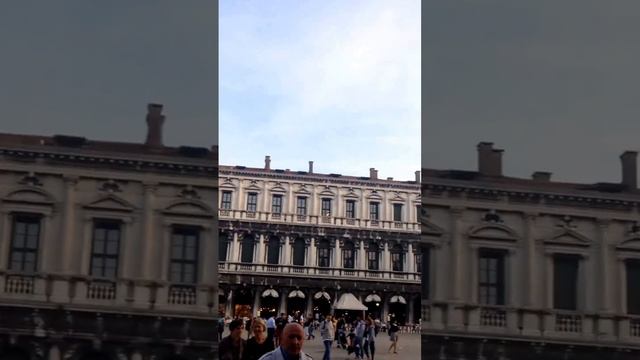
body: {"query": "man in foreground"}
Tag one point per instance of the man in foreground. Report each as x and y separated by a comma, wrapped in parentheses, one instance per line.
(290, 345)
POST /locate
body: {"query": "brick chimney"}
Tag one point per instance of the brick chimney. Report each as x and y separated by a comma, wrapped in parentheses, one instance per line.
(267, 162)
(489, 160)
(418, 176)
(541, 176)
(155, 120)
(630, 169)
(373, 174)
(310, 167)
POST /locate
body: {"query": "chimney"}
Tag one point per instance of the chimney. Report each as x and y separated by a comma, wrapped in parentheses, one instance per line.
(489, 159)
(155, 120)
(418, 176)
(373, 174)
(541, 176)
(267, 162)
(630, 169)
(310, 167)
(390, 178)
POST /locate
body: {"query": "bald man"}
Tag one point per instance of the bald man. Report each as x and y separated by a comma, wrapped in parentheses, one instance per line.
(290, 347)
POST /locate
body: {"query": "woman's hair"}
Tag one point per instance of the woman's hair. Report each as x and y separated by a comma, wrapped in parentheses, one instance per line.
(258, 322)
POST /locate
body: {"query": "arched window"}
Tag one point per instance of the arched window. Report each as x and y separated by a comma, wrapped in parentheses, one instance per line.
(247, 249)
(323, 253)
(298, 252)
(373, 257)
(397, 258)
(273, 249)
(348, 255)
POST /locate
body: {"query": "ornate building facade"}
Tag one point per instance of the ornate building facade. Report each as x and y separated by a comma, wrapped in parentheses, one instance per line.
(530, 268)
(296, 241)
(107, 249)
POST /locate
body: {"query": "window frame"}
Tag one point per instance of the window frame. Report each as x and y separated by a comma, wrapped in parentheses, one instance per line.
(226, 201)
(374, 205)
(252, 204)
(184, 231)
(111, 224)
(325, 210)
(350, 211)
(301, 200)
(277, 206)
(397, 215)
(486, 258)
(33, 218)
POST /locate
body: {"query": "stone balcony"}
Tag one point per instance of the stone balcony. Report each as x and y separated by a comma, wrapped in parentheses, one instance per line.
(319, 272)
(332, 221)
(122, 294)
(538, 325)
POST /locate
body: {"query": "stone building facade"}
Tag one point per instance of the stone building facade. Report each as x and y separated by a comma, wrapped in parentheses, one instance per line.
(530, 268)
(107, 249)
(296, 241)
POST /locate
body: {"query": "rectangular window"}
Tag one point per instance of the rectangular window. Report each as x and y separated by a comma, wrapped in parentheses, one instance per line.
(252, 202)
(25, 240)
(184, 255)
(276, 204)
(301, 208)
(323, 257)
(225, 204)
(397, 212)
(105, 249)
(633, 290)
(350, 211)
(372, 256)
(396, 261)
(326, 207)
(565, 282)
(374, 213)
(491, 277)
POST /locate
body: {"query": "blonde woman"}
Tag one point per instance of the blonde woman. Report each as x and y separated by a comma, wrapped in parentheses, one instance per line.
(258, 344)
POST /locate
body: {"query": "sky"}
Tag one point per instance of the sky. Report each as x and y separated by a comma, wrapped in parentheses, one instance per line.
(331, 81)
(90, 68)
(553, 83)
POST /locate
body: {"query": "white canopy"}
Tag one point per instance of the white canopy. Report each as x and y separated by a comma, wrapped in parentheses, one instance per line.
(296, 293)
(323, 294)
(373, 297)
(270, 292)
(349, 302)
(398, 298)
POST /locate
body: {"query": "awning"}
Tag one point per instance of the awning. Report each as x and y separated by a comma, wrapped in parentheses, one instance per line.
(349, 302)
(296, 293)
(398, 298)
(321, 294)
(270, 292)
(373, 298)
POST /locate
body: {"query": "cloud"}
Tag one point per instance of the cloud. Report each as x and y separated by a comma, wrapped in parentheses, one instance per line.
(344, 83)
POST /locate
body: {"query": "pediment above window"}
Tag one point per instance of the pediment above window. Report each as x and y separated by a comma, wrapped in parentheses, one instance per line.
(397, 197)
(227, 183)
(278, 188)
(492, 232)
(189, 208)
(351, 194)
(111, 203)
(431, 229)
(374, 195)
(630, 244)
(568, 237)
(30, 195)
(302, 190)
(326, 192)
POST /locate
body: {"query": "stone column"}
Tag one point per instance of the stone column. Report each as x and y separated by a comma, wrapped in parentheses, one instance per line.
(150, 253)
(605, 269)
(235, 253)
(386, 257)
(256, 301)
(261, 249)
(337, 262)
(362, 263)
(67, 234)
(287, 251)
(283, 301)
(411, 268)
(458, 273)
(312, 253)
(532, 295)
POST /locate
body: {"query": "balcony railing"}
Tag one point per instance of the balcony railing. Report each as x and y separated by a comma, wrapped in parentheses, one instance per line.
(494, 317)
(319, 220)
(634, 327)
(568, 322)
(182, 295)
(236, 267)
(101, 290)
(19, 284)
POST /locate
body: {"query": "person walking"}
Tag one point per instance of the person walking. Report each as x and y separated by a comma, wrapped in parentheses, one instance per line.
(360, 329)
(232, 346)
(327, 333)
(271, 329)
(370, 339)
(290, 345)
(259, 343)
(393, 337)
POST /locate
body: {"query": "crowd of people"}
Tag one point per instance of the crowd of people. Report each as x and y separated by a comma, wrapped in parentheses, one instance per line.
(282, 337)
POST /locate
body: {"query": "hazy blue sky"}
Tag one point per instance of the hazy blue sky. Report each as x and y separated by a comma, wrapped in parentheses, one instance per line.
(336, 82)
(554, 83)
(89, 68)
